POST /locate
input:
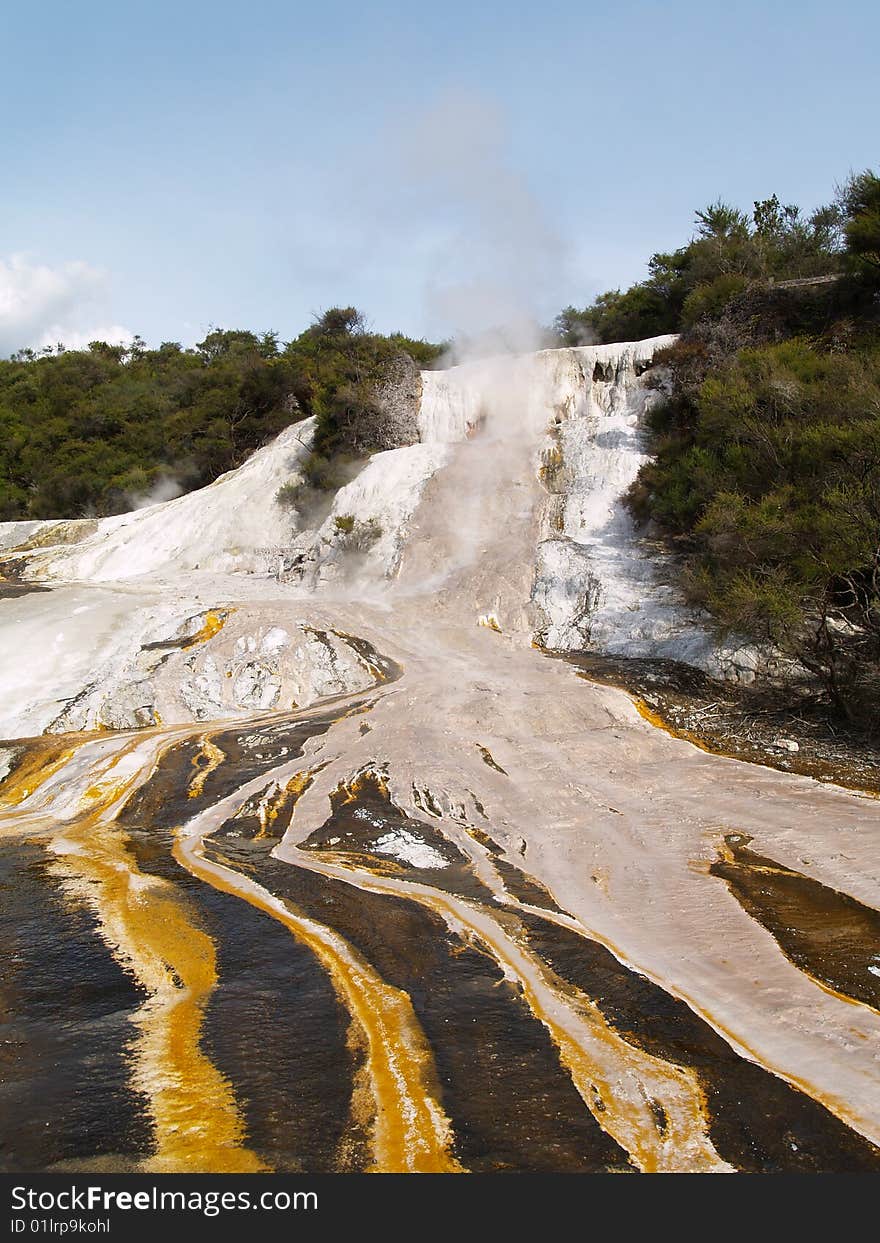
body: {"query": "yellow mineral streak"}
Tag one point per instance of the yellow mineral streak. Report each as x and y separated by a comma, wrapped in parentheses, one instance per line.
(109, 787)
(213, 757)
(298, 784)
(849, 780)
(350, 791)
(834, 1104)
(357, 710)
(276, 800)
(373, 670)
(411, 1133)
(42, 761)
(213, 624)
(620, 1084)
(268, 809)
(145, 922)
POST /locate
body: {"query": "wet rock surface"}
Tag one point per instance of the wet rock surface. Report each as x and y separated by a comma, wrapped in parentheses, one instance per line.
(760, 726)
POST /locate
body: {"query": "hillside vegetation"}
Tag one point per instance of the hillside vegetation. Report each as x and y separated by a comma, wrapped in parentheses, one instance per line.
(767, 441)
(98, 431)
(732, 252)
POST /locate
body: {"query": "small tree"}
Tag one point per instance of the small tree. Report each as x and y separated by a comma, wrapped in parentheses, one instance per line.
(860, 200)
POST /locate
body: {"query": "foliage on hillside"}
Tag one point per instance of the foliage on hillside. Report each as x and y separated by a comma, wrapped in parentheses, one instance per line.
(96, 431)
(767, 470)
(342, 364)
(732, 252)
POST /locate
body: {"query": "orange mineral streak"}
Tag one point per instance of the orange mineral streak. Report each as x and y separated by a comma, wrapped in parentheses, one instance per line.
(351, 790)
(654, 718)
(145, 922)
(213, 757)
(410, 1131)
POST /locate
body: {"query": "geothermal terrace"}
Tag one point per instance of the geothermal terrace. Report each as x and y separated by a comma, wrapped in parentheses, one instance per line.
(327, 864)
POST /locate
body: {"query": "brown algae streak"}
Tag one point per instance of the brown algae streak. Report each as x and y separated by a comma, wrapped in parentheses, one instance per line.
(411, 1133)
(828, 935)
(511, 1102)
(616, 1081)
(758, 1121)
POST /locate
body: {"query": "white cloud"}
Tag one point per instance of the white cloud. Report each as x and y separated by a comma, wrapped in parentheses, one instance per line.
(42, 305)
(74, 339)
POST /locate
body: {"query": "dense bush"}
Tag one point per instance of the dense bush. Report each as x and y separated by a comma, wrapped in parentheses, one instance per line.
(343, 365)
(767, 472)
(93, 432)
(730, 252)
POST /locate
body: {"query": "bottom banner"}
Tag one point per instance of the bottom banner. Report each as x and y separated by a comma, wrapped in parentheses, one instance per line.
(131, 1207)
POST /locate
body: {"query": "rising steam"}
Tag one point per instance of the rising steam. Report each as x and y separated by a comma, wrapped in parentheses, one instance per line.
(497, 260)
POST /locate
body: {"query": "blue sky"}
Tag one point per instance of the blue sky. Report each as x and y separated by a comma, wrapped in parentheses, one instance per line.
(171, 166)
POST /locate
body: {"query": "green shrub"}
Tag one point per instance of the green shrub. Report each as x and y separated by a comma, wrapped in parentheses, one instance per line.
(860, 201)
(288, 495)
(732, 251)
(711, 298)
(357, 537)
(768, 464)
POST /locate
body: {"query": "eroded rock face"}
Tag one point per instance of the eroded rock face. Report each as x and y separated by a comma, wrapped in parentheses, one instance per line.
(217, 663)
(599, 582)
(398, 398)
(232, 525)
